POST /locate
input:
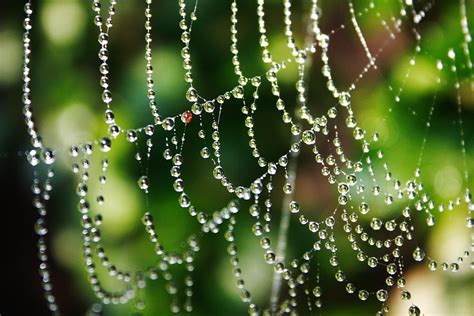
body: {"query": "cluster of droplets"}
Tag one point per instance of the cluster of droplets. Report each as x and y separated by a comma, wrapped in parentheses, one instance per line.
(39, 153)
(91, 233)
(245, 294)
(37, 156)
(26, 96)
(41, 193)
(167, 259)
(151, 93)
(104, 69)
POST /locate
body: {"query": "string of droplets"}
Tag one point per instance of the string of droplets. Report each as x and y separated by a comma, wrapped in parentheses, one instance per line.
(338, 169)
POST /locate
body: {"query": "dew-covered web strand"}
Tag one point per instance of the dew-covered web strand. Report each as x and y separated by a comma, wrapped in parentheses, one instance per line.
(466, 40)
(429, 119)
(457, 87)
(359, 33)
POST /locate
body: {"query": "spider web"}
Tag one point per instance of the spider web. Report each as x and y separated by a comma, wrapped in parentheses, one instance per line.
(347, 155)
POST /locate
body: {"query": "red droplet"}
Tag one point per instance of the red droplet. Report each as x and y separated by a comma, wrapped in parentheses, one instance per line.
(187, 117)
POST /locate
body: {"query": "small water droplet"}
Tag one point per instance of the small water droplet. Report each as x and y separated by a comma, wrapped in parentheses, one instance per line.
(143, 183)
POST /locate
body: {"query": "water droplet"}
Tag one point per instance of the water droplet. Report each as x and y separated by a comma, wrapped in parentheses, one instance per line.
(309, 138)
(191, 95)
(82, 189)
(168, 124)
(469, 222)
(272, 168)
(344, 99)
(184, 200)
(132, 136)
(48, 156)
(430, 220)
(313, 226)
(451, 53)
(114, 130)
(186, 117)
(178, 185)
(143, 183)
(414, 311)
(392, 268)
(149, 130)
(340, 277)
(342, 199)
(218, 172)
(372, 262)
(364, 208)
(33, 157)
(254, 210)
(382, 295)
(100, 200)
(209, 107)
(40, 227)
(330, 221)
(376, 223)
(107, 96)
(270, 257)
(294, 207)
(350, 288)
(196, 108)
(418, 254)
(358, 133)
(105, 144)
(317, 291)
(238, 92)
(363, 295)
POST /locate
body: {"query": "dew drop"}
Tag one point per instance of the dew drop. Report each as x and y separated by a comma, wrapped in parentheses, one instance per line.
(168, 124)
(294, 207)
(209, 107)
(309, 138)
(344, 99)
(48, 156)
(414, 311)
(186, 117)
(382, 295)
(418, 254)
(33, 157)
(132, 136)
(238, 92)
(143, 183)
(218, 172)
(105, 144)
(372, 262)
(191, 95)
(184, 200)
(40, 227)
(363, 295)
(376, 223)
